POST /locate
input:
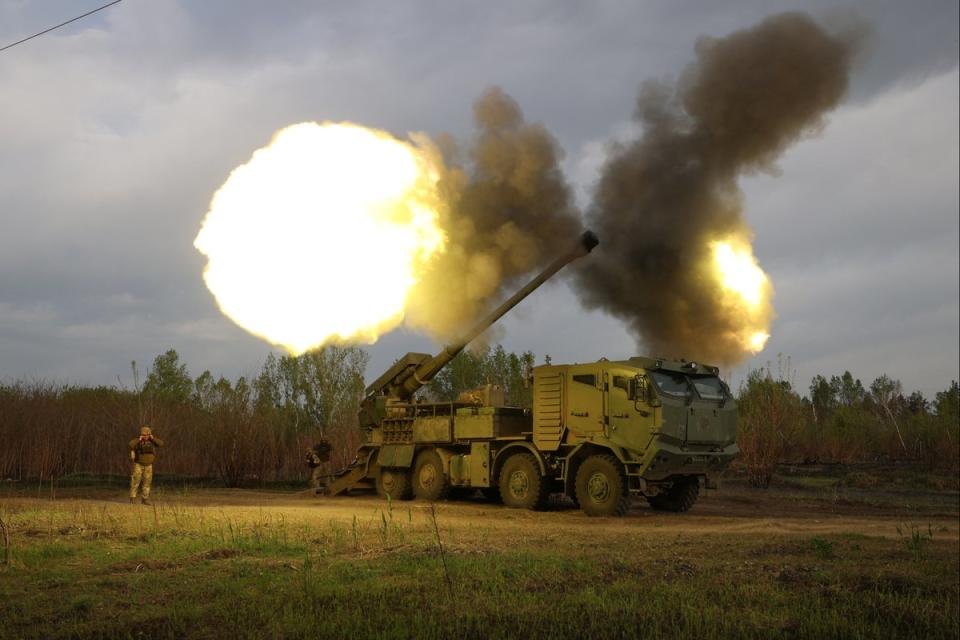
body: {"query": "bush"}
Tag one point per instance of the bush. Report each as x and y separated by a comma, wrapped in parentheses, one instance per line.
(771, 416)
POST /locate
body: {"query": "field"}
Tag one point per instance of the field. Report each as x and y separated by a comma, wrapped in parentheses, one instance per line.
(820, 554)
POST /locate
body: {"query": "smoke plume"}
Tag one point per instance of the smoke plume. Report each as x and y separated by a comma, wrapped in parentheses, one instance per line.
(447, 232)
(510, 212)
(664, 199)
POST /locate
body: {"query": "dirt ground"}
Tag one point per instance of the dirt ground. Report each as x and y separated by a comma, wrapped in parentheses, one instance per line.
(727, 512)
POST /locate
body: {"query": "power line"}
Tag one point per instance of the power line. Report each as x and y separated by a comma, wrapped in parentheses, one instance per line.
(60, 25)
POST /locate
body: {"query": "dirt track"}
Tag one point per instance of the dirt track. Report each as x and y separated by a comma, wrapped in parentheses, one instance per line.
(731, 513)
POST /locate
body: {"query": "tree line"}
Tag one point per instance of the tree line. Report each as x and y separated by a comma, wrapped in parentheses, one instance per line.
(242, 431)
(840, 420)
(258, 429)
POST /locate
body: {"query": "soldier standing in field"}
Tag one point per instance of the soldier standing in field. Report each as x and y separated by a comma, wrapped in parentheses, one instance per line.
(143, 451)
(316, 459)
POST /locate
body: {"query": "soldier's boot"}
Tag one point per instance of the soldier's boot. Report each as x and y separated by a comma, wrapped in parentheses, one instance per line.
(133, 500)
(146, 501)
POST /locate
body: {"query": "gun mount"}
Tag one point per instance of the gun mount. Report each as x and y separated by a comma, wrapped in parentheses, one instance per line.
(414, 370)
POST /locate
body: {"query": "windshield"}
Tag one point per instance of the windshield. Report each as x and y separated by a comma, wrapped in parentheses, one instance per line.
(678, 385)
(672, 384)
(709, 387)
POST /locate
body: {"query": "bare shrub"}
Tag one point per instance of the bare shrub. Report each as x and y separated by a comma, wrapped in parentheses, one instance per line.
(770, 422)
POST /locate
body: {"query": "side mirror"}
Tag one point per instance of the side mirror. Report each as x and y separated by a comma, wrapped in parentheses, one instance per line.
(642, 393)
(649, 393)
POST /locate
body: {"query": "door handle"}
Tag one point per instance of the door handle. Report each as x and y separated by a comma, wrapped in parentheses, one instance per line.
(580, 414)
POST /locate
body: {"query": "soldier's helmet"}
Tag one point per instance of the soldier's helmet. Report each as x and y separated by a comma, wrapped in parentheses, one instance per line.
(145, 430)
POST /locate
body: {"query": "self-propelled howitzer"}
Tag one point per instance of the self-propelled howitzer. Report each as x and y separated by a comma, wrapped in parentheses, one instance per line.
(601, 432)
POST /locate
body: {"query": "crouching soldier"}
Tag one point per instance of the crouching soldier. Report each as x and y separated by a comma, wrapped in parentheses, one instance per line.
(317, 458)
(143, 452)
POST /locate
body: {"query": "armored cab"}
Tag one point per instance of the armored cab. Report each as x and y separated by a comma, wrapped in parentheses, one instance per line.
(643, 426)
(601, 432)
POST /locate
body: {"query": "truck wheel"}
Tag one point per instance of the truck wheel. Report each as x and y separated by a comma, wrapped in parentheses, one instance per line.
(429, 480)
(521, 485)
(678, 498)
(394, 483)
(601, 487)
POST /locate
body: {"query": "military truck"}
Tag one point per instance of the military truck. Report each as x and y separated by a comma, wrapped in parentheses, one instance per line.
(600, 433)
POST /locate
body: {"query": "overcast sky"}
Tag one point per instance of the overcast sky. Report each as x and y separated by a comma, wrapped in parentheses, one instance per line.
(117, 129)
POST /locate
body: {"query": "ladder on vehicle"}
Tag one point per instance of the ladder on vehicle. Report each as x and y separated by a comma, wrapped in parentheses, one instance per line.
(352, 477)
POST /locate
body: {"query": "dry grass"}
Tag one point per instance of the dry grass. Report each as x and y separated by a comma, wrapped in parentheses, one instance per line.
(255, 564)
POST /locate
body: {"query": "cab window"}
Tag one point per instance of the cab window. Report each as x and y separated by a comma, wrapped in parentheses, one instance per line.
(708, 387)
(622, 382)
(586, 378)
(671, 384)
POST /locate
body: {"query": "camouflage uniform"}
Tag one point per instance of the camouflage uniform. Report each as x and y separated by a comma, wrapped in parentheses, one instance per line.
(143, 451)
(316, 459)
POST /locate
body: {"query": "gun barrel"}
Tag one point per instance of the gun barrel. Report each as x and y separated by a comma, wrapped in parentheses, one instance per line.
(425, 372)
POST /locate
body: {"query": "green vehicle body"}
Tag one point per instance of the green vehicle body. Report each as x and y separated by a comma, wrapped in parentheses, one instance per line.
(601, 433)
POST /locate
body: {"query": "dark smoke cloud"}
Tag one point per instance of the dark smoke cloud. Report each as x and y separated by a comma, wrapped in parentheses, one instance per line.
(510, 212)
(662, 197)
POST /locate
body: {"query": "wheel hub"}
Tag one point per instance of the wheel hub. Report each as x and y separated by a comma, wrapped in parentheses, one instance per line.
(428, 476)
(598, 488)
(519, 484)
(387, 480)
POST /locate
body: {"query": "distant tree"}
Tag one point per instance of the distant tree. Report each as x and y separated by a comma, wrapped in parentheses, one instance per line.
(168, 379)
(472, 369)
(947, 440)
(886, 393)
(315, 390)
(203, 388)
(947, 403)
(331, 383)
(511, 372)
(466, 371)
(823, 399)
(917, 404)
(233, 442)
(849, 390)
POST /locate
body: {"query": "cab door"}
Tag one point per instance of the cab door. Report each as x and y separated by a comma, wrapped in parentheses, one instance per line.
(630, 420)
(585, 410)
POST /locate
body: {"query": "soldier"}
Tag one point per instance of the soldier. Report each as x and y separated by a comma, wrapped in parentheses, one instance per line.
(143, 451)
(316, 459)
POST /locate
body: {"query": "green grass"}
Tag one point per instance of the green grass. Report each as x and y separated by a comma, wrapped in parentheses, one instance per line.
(503, 594)
(79, 569)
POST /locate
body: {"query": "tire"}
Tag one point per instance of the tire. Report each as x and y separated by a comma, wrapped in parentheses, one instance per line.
(429, 480)
(521, 484)
(601, 487)
(678, 498)
(394, 482)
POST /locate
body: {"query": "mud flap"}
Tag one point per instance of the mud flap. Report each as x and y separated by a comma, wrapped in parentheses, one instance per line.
(396, 455)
